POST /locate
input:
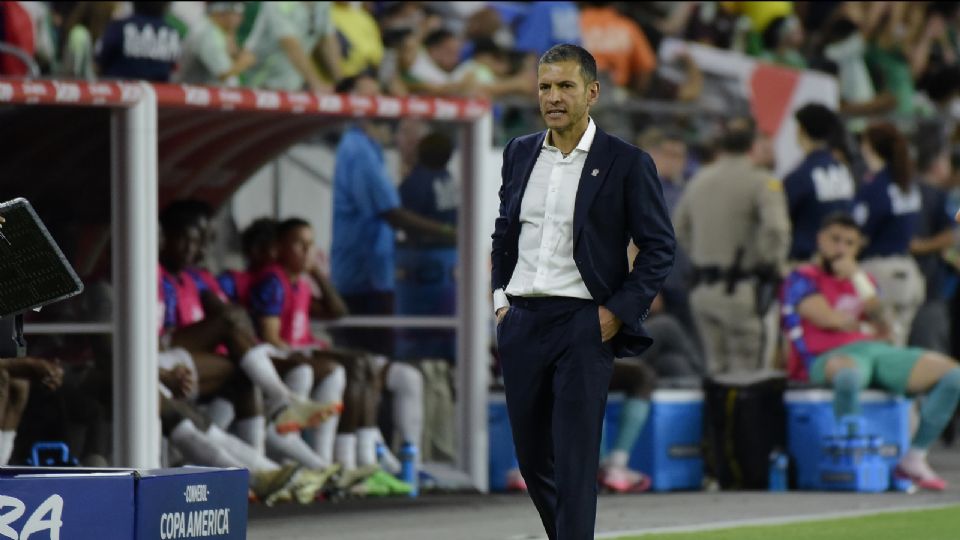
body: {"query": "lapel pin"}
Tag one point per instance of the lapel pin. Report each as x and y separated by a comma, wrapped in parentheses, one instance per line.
(594, 172)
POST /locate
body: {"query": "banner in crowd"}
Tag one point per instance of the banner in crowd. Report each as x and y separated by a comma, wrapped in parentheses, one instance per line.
(773, 92)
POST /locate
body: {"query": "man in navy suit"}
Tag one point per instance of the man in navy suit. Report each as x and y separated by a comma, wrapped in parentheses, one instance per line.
(566, 301)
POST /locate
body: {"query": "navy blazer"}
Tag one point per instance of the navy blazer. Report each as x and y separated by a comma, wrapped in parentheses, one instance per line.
(623, 201)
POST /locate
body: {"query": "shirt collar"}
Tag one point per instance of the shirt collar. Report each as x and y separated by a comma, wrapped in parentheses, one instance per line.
(586, 141)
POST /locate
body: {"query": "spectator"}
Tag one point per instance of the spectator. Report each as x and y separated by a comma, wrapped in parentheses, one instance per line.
(887, 53)
(366, 205)
(141, 46)
(934, 236)
(211, 54)
(436, 67)
(887, 209)
(284, 38)
(782, 40)
(618, 44)
(84, 27)
(359, 37)
(546, 24)
(490, 70)
(820, 184)
(711, 23)
(825, 305)
(845, 50)
(669, 151)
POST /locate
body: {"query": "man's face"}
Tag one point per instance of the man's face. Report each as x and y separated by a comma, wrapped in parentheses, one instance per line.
(181, 248)
(565, 98)
(670, 157)
(296, 248)
(838, 242)
(446, 54)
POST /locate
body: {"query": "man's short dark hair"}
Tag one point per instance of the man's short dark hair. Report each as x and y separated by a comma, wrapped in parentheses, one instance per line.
(261, 231)
(181, 214)
(738, 135)
(565, 52)
(654, 136)
(437, 37)
(151, 9)
(840, 218)
(290, 224)
(817, 121)
(434, 150)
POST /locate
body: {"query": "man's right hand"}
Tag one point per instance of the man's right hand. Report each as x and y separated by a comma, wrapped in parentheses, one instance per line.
(845, 267)
(501, 313)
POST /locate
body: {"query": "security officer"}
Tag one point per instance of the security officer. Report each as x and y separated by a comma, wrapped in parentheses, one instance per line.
(732, 221)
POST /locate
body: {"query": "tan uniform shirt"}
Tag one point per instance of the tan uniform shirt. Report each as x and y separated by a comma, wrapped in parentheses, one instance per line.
(729, 204)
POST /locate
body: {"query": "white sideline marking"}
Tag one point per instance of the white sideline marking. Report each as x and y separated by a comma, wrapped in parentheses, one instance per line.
(782, 520)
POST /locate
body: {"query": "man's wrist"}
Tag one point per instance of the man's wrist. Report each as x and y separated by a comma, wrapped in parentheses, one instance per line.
(500, 300)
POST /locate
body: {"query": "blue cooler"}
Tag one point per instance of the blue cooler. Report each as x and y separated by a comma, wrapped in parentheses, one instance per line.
(810, 423)
(669, 449)
(502, 457)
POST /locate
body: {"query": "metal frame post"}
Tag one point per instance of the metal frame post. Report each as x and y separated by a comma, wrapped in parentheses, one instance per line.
(133, 157)
(473, 304)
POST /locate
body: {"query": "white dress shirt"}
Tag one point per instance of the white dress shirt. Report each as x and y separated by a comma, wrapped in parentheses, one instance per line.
(545, 265)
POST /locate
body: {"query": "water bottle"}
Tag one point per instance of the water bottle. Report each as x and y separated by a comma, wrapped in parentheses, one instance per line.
(778, 471)
(408, 467)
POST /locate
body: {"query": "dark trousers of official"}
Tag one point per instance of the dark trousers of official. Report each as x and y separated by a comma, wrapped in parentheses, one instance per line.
(556, 371)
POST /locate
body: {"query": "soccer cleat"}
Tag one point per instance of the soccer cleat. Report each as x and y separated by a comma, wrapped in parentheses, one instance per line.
(929, 482)
(267, 485)
(515, 481)
(302, 414)
(310, 483)
(355, 476)
(624, 480)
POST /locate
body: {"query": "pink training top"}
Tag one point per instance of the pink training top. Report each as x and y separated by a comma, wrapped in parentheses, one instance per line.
(806, 339)
(294, 309)
(189, 308)
(207, 282)
(240, 283)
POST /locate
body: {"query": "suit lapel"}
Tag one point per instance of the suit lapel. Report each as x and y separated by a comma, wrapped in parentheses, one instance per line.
(595, 170)
(532, 155)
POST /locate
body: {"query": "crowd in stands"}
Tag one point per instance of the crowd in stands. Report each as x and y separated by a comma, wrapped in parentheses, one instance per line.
(897, 181)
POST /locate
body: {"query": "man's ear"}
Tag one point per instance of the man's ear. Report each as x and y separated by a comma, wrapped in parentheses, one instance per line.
(594, 92)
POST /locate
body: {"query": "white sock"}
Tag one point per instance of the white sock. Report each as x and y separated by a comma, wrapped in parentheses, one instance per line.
(618, 458)
(259, 368)
(292, 446)
(329, 390)
(221, 412)
(406, 383)
(199, 449)
(6, 446)
(253, 432)
(345, 451)
(299, 380)
(240, 450)
(388, 461)
(367, 446)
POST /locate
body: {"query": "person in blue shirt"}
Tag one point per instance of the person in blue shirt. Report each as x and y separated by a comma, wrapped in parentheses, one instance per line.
(366, 210)
(821, 184)
(546, 24)
(887, 209)
(425, 266)
(141, 46)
